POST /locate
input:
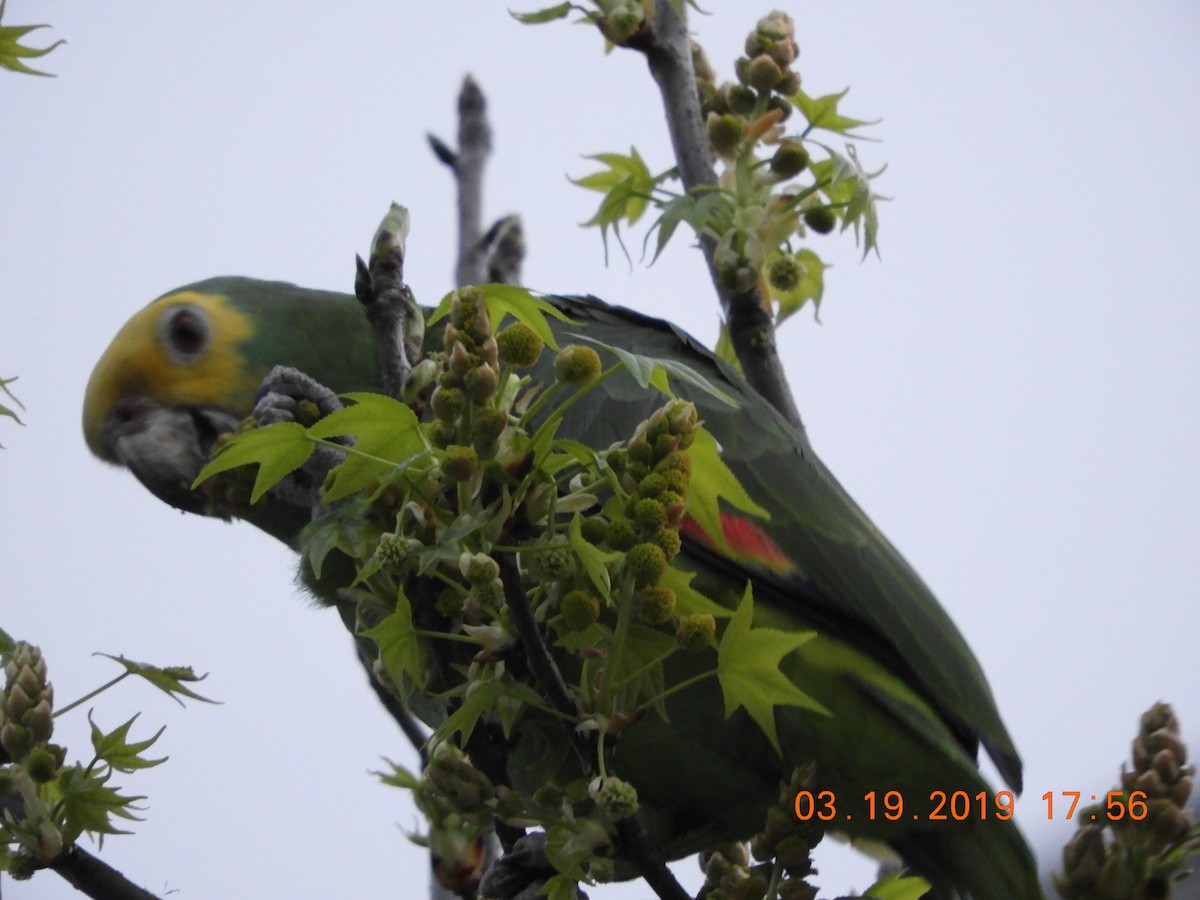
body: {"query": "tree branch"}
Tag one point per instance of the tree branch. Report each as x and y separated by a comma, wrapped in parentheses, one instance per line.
(668, 50)
(96, 878)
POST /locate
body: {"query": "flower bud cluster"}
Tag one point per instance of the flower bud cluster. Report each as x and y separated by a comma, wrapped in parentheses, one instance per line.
(1152, 837)
(471, 377)
(27, 703)
(459, 801)
(765, 81)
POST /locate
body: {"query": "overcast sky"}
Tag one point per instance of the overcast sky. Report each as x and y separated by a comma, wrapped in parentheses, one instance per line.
(1010, 393)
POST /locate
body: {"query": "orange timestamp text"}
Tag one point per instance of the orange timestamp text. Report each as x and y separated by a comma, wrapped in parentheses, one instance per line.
(941, 806)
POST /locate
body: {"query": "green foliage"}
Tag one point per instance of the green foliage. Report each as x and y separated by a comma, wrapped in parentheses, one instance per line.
(748, 668)
(455, 519)
(12, 51)
(779, 185)
(50, 803)
(6, 411)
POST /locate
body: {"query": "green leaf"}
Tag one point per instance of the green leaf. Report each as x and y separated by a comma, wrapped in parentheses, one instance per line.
(168, 679)
(86, 803)
(278, 449)
(898, 887)
(386, 436)
(594, 560)
(848, 185)
(348, 528)
(651, 370)
(711, 213)
(711, 482)
(482, 701)
(549, 14)
(115, 750)
(748, 669)
(687, 598)
(399, 646)
(4, 410)
(6, 643)
(12, 51)
(627, 186)
(822, 112)
(399, 776)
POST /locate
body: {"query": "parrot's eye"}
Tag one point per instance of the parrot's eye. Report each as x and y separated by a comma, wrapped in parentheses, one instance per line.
(184, 333)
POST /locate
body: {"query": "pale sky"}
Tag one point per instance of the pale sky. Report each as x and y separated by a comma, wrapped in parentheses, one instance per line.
(1010, 393)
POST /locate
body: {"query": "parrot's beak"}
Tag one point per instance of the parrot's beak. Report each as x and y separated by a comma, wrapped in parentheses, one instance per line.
(165, 446)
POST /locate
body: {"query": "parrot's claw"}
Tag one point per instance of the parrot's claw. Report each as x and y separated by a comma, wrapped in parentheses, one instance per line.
(520, 873)
(283, 389)
(278, 400)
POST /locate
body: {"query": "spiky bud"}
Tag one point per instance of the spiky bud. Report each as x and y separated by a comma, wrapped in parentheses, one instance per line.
(26, 704)
(646, 562)
(616, 799)
(622, 534)
(785, 273)
(656, 606)
(578, 610)
(696, 631)
(725, 133)
(649, 514)
(552, 565)
(820, 219)
(448, 403)
(790, 159)
(520, 346)
(480, 382)
(460, 360)
(576, 364)
(478, 568)
(763, 73)
(668, 540)
(461, 462)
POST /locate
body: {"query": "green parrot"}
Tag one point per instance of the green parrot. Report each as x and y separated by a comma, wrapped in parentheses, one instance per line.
(910, 705)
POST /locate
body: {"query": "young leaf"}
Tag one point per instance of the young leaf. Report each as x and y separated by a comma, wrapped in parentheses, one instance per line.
(399, 647)
(386, 436)
(898, 887)
(86, 803)
(12, 51)
(482, 701)
(687, 598)
(549, 14)
(121, 755)
(278, 449)
(592, 558)
(508, 299)
(748, 669)
(712, 481)
(822, 112)
(168, 679)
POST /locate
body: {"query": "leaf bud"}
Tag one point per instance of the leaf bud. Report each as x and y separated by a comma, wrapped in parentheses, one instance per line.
(42, 764)
(460, 360)
(478, 568)
(490, 350)
(740, 99)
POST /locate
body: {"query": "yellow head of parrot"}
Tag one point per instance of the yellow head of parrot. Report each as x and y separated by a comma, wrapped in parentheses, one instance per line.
(180, 351)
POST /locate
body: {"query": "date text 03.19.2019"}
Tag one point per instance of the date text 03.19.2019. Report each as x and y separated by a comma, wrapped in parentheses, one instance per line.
(890, 805)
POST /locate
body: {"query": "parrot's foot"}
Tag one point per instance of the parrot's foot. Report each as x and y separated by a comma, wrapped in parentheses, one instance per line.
(282, 397)
(520, 873)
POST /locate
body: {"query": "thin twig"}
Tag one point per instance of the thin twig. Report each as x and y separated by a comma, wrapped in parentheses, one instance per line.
(635, 842)
(391, 309)
(668, 51)
(469, 160)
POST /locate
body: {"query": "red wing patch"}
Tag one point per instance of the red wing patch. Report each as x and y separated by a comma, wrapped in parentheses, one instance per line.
(749, 543)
